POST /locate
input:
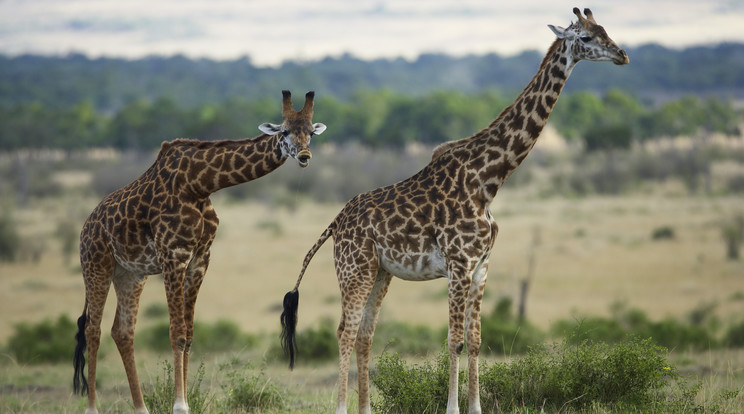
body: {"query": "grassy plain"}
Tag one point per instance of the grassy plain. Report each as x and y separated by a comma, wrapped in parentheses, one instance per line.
(592, 252)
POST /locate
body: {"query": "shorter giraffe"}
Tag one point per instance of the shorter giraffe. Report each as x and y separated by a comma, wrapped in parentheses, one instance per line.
(437, 224)
(164, 222)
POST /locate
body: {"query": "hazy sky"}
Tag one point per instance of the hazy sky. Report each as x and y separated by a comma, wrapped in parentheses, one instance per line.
(273, 31)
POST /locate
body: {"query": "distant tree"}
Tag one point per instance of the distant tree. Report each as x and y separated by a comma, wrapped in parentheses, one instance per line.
(143, 126)
(608, 137)
(9, 238)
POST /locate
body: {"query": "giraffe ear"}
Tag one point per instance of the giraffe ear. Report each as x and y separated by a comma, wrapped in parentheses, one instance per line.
(318, 128)
(561, 32)
(269, 128)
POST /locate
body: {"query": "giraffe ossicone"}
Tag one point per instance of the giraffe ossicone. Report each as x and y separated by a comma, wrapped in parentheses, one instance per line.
(437, 223)
(164, 222)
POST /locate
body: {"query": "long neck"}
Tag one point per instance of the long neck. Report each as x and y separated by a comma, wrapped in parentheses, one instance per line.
(504, 144)
(207, 167)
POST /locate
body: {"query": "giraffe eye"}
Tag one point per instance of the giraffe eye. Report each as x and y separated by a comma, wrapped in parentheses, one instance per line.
(585, 39)
(284, 132)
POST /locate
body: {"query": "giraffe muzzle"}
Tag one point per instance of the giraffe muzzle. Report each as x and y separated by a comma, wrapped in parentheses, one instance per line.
(621, 59)
(303, 157)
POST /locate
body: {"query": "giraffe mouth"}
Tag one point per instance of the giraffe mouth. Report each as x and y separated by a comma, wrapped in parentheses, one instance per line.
(303, 158)
(621, 58)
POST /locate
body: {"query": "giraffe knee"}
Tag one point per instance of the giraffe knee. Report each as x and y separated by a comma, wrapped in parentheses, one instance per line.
(120, 337)
(179, 344)
(458, 348)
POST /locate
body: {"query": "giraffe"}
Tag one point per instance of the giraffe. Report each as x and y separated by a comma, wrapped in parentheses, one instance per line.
(164, 222)
(436, 224)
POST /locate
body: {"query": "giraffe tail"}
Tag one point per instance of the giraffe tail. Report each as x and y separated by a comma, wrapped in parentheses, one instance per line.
(291, 303)
(79, 383)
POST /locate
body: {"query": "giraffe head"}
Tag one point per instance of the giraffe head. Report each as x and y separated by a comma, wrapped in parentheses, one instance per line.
(589, 41)
(296, 129)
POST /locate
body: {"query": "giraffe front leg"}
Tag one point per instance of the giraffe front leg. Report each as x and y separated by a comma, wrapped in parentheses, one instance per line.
(173, 275)
(457, 291)
(473, 332)
(194, 278)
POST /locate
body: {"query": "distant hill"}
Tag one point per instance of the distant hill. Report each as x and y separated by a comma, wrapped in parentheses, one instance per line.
(655, 73)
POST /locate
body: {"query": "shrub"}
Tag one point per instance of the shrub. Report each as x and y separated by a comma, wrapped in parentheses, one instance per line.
(221, 336)
(502, 333)
(663, 233)
(252, 394)
(628, 375)
(9, 238)
(412, 389)
(312, 344)
(159, 397)
(44, 342)
(668, 332)
(407, 339)
(156, 310)
(734, 336)
(592, 328)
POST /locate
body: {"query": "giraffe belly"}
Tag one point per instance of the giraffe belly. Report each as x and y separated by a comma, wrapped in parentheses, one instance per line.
(415, 266)
(140, 261)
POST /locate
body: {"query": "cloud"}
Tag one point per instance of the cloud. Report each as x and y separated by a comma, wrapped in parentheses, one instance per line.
(271, 32)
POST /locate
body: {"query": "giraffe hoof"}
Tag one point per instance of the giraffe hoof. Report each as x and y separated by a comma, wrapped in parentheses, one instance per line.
(180, 408)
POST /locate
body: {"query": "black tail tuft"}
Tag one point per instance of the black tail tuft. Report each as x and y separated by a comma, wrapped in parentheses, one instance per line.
(289, 325)
(79, 383)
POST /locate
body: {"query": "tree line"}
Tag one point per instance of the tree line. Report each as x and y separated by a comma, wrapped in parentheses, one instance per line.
(380, 118)
(110, 84)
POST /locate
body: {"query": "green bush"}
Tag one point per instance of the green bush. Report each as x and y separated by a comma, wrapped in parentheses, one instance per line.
(44, 342)
(252, 394)
(629, 376)
(734, 336)
(223, 335)
(663, 233)
(313, 344)
(156, 311)
(503, 334)
(407, 339)
(159, 397)
(669, 332)
(9, 238)
(412, 389)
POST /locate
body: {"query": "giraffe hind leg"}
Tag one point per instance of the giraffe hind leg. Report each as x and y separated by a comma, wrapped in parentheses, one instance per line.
(353, 304)
(128, 288)
(364, 336)
(97, 284)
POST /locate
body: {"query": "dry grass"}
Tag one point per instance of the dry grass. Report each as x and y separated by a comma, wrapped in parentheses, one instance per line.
(592, 252)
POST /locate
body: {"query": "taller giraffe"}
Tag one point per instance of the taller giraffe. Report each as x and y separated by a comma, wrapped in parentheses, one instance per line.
(164, 222)
(436, 224)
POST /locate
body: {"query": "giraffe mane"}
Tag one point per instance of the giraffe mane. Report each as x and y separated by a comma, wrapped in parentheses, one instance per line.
(166, 146)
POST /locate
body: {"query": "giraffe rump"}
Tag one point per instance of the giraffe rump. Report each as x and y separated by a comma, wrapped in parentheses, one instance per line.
(79, 383)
